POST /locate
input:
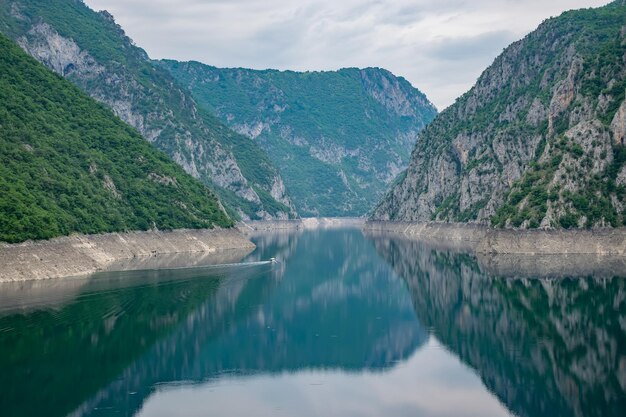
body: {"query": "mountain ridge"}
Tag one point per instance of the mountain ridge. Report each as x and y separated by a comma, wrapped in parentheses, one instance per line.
(319, 127)
(92, 50)
(536, 141)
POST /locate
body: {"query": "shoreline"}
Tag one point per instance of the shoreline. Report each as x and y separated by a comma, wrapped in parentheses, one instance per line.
(485, 240)
(79, 255)
(306, 223)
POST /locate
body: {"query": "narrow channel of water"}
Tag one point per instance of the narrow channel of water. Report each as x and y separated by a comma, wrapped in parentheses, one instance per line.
(344, 324)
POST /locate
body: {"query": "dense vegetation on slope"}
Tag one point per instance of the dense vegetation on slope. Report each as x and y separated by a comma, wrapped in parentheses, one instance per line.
(92, 51)
(339, 138)
(537, 142)
(67, 164)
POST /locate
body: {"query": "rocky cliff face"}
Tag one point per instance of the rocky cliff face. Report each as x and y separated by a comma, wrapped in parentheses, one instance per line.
(339, 138)
(92, 51)
(537, 142)
(543, 346)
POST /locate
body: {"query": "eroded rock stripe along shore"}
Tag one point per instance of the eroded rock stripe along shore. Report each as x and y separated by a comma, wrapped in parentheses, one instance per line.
(82, 255)
(86, 254)
(482, 239)
(249, 227)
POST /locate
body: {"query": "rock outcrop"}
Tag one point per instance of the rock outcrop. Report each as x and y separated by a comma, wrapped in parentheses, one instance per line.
(537, 142)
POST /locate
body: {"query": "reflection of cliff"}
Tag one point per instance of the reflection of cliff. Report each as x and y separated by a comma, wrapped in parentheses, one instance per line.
(329, 303)
(172, 358)
(553, 266)
(545, 347)
(53, 359)
(333, 307)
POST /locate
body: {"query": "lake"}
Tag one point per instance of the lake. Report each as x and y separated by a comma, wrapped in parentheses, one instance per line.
(344, 324)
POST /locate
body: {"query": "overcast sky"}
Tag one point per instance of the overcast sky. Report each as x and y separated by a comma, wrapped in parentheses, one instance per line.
(440, 46)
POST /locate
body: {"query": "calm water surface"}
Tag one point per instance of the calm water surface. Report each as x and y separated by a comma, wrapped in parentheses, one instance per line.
(343, 325)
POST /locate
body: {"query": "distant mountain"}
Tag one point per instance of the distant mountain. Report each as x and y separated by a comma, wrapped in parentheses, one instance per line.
(537, 142)
(92, 51)
(339, 138)
(68, 164)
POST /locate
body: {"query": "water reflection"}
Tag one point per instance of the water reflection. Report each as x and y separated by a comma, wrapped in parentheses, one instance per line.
(546, 347)
(54, 356)
(431, 383)
(318, 309)
(337, 327)
(105, 348)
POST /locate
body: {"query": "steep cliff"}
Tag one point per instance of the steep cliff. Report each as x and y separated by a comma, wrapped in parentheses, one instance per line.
(339, 138)
(93, 52)
(537, 142)
(67, 164)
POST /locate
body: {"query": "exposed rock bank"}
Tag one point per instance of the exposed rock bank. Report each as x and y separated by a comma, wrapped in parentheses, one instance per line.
(333, 222)
(85, 254)
(482, 239)
(251, 227)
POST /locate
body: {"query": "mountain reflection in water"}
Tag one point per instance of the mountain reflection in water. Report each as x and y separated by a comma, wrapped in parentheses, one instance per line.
(327, 304)
(551, 346)
(342, 325)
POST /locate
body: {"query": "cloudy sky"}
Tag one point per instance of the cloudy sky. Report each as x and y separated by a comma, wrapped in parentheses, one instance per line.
(440, 46)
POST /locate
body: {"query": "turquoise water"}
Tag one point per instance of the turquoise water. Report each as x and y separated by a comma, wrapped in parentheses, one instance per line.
(343, 325)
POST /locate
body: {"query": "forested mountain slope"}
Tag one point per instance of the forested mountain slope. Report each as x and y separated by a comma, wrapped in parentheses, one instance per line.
(339, 138)
(68, 164)
(93, 52)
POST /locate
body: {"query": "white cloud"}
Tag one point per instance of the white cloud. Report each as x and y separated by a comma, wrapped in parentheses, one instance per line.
(440, 46)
